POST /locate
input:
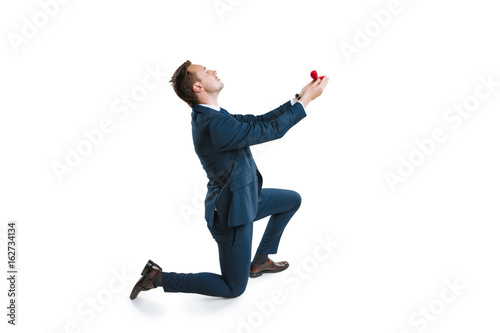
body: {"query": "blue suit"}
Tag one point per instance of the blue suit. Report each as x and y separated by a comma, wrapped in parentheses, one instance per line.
(235, 197)
(222, 142)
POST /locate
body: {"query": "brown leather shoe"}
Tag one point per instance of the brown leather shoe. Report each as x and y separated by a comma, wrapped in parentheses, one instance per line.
(268, 267)
(149, 274)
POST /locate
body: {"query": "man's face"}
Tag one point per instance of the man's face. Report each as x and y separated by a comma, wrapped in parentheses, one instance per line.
(207, 78)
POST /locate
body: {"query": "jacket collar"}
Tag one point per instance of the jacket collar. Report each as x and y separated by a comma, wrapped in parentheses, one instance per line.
(204, 109)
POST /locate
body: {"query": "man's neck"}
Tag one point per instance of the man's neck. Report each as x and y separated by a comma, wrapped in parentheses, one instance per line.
(209, 100)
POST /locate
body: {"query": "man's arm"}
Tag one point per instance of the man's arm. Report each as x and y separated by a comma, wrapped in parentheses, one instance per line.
(227, 133)
(271, 115)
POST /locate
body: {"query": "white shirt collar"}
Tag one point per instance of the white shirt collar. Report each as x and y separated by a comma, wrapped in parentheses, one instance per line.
(211, 106)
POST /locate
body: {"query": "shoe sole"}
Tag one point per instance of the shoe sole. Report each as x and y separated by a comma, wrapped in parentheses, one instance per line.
(147, 267)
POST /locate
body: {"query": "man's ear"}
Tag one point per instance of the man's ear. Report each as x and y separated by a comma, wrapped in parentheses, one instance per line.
(197, 87)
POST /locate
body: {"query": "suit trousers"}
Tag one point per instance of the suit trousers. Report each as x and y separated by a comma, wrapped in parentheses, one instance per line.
(235, 247)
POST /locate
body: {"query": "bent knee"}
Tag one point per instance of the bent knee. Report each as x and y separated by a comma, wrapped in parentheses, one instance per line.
(237, 290)
(296, 198)
(236, 293)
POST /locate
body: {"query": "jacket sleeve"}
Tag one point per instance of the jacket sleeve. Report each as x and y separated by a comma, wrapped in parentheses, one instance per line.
(271, 115)
(227, 133)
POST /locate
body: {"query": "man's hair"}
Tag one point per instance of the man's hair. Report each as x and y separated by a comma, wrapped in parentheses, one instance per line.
(183, 82)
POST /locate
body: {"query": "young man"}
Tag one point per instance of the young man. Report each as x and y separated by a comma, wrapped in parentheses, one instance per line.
(235, 197)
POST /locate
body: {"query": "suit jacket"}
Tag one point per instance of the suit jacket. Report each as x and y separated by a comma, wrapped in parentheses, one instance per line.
(221, 141)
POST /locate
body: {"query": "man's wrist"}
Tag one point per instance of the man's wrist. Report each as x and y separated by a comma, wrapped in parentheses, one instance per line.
(304, 100)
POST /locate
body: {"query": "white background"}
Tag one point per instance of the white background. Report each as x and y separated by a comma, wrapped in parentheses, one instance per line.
(138, 195)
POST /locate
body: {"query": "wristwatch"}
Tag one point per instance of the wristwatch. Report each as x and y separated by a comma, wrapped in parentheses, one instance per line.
(297, 96)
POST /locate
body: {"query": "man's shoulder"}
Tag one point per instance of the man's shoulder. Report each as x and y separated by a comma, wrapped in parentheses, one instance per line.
(209, 116)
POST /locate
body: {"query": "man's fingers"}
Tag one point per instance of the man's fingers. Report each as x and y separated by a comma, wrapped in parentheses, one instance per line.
(325, 80)
(316, 82)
